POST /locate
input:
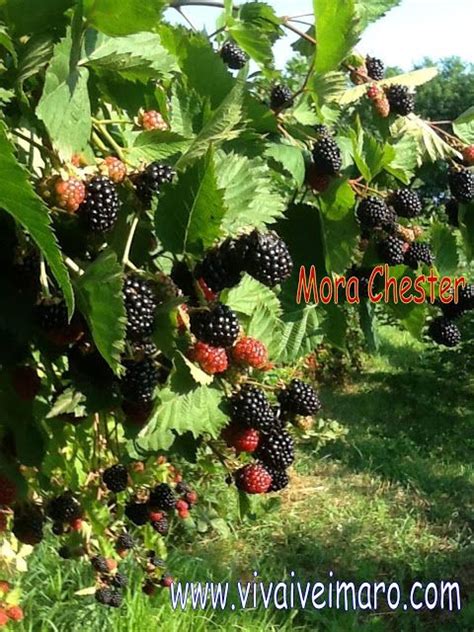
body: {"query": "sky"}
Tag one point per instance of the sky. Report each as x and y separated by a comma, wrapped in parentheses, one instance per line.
(415, 29)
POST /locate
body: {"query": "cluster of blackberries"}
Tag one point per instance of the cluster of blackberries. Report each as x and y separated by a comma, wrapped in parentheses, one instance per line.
(443, 330)
(111, 582)
(258, 427)
(327, 157)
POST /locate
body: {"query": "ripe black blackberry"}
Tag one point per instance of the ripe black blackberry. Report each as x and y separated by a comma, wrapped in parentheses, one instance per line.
(251, 408)
(280, 479)
(218, 326)
(115, 478)
(461, 184)
(363, 277)
(327, 156)
(150, 181)
(51, 315)
(99, 564)
(104, 596)
(452, 211)
(417, 253)
(28, 524)
(161, 526)
(322, 130)
(299, 398)
(280, 97)
(124, 542)
(406, 203)
(466, 297)
(162, 497)
(137, 513)
(375, 68)
(373, 212)
(140, 380)
(276, 450)
(101, 206)
(464, 304)
(392, 250)
(140, 305)
(233, 56)
(222, 266)
(401, 101)
(268, 259)
(116, 599)
(57, 528)
(64, 508)
(65, 553)
(444, 332)
(141, 349)
(120, 581)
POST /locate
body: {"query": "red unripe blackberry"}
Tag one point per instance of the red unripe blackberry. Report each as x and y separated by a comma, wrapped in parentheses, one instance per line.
(250, 352)
(154, 515)
(208, 294)
(452, 211)
(3, 617)
(69, 193)
(444, 332)
(281, 97)
(28, 524)
(115, 169)
(137, 513)
(417, 253)
(280, 479)
(101, 206)
(276, 450)
(461, 184)
(26, 382)
(152, 120)
(15, 613)
(392, 250)
(5, 587)
(241, 439)
(253, 479)
(140, 305)
(76, 524)
(166, 581)
(161, 526)
(8, 491)
(233, 56)
(162, 497)
(327, 156)
(212, 360)
(181, 505)
(375, 68)
(250, 407)
(64, 508)
(373, 212)
(217, 326)
(222, 266)
(191, 497)
(115, 478)
(268, 259)
(299, 398)
(401, 101)
(468, 155)
(150, 181)
(406, 203)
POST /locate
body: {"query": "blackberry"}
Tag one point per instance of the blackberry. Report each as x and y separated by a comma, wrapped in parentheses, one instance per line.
(280, 97)
(139, 382)
(452, 211)
(276, 450)
(444, 332)
(401, 101)
(99, 564)
(65, 553)
(28, 524)
(218, 326)
(250, 407)
(64, 508)
(466, 297)
(418, 253)
(392, 250)
(150, 181)
(115, 599)
(327, 156)
(137, 513)
(51, 315)
(253, 479)
(161, 526)
(120, 581)
(222, 267)
(57, 528)
(461, 184)
(124, 542)
(162, 497)
(101, 206)
(115, 478)
(268, 259)
(182, 488)
(375, 68)
(299, 398)
(322, 130)
(141, 349)
(280, 479)
(140, 305)
(406, 203)
(104, 596)
(465, 303)
(233, 56)
(373, 212)
(363, 277)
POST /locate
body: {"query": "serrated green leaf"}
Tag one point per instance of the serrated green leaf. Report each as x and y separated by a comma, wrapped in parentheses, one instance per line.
(33, 57)
(249, 194)
(64, 107)
(6, 95)
(371, 10)
(68, 402)
(463, 126)
(265, 326)
(23, 18)
(198, 375)
(253, 42)
(290, 158)
(430, 145)
(155, 145)
(327, 87)
(443, 245)
(124, 17)
(99, 297)
(248, 293)
(300, 335)
(335, 32)
(7, 43)
(405, 160)
(19, 199)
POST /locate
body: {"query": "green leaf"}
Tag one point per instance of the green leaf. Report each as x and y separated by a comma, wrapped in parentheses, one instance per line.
(253, 42)
(6, 42)
(405, 160)
(466, 225)
(124, 17)
(24, 18)
(219, 128)
(249, 193)
(19, 199)
(265, 326)
(463, 126)
(327, 87)
(198, 375)
(99, 297)
(64, 107)
(430, 145)
(155, 145)
(301, 333)
(290, 158)
(69, 402)
(189, 216)
(371, 10)
(335, 32)
(247, 294)
(443, 245)
(33, 57)
(368, 325)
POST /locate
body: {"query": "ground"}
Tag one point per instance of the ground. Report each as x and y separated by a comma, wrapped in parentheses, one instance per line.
(389, 499)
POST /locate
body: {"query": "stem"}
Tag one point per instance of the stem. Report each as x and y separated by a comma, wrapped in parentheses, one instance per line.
(185, 17)
(112, 122)
(302, 34)
(41, 148)
(442, 132)
(98, 142)
(220, 456)
(72, 265)
(131, 235)
(223, 28)
(306, 80)
(115, 146)
(44, 278)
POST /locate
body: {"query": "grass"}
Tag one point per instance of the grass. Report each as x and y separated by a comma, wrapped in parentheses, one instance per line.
(390, 500)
